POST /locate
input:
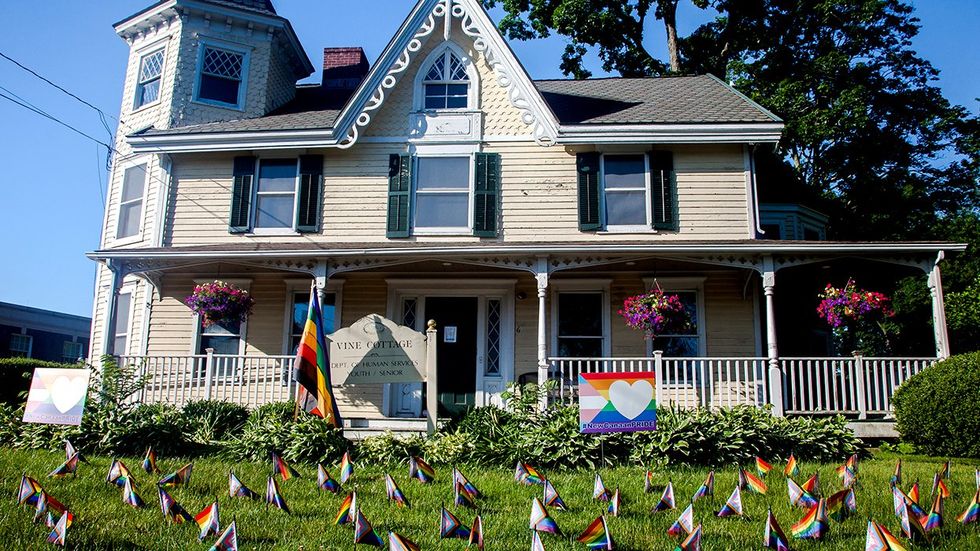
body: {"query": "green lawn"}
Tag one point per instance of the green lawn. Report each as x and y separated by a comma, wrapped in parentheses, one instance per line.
(104, 522)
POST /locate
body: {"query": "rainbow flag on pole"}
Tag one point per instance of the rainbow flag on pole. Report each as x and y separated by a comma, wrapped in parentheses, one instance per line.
(394, 493)
(798, 496)
(29, 491)
(237, 489)
(468, 487)
(706, 489)
(315, 394)
(527, 474)
(762, 466)
(792, 467)
(551, 497)
(57, 536)
(692, 542)
(541, 521)
(118, 473)
(228, 540)
(326, 482)
(536, 544)
(599, 490)
(150, 462)
(733, 507)
(345, 514)
(972, 513)
(208, 521)
(615, 502)
(773, 537)
(753, 483)
(68, 467)
(667, 501)
(841, 504)
(451, 527)
(171, 509)
(476, 534)
(398, 542)
(346, 468)
(812, 484)
(596, 536)
(684, 524)
(273, 496)
(364, 532)
(281, 468)
(897, 475)
(180, 476)
(880, 539)
(814, 525)
(129, 495)
(420, 470)
(935, 517)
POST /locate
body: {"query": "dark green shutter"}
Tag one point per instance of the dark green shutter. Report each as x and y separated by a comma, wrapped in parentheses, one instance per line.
(399, 195)
(486, 195)
(589, 213)
(239, 220)
(663, 181)
(310, 193)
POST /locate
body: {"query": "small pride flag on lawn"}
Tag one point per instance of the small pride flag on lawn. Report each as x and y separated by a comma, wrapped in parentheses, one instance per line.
(451, 527)
(880, 539)
(596, 536)
(732, 507)
(150, 462)
(57, 536)
(180, 476)
(346, 468)
(237, 489)
(614, 503)
(935, 517)
(841, 504)
(345, 514)
(273, 496)
(468, 486)
(692, 542)
(171, 509)
(29, 491)
(68, 467)
(599, 490)
(972, 513)
(812, 484)
(913, 492)
(762, 466)
(324, 481)
(541, 521)
(536, 544)
(461, 497)
(130, 497)
(911, 526)
(792, 467)
(420, 470)
(228, 540)
(939, 485)
(527, 474)
(753, 483)
(551, 497)
(684, 524)
(814, 525)
(118, 473)
(476, 534)
(208, 521)
(798, 496)
(706, 489)
(394, 493)
(398, 542)
(648, 482)
(773, 537)
(364, 533)
(667, 501)
(280, 467)
(897, 475)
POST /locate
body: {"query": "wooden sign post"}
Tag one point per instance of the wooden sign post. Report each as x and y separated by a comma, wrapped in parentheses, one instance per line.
(431, 377)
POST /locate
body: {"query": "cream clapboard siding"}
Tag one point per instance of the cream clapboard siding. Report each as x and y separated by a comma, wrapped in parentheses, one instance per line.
(539, 200)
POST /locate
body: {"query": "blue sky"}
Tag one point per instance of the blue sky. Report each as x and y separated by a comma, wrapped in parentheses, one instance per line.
(52, 180)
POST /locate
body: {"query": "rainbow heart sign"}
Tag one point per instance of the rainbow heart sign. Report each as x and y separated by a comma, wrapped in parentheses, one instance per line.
(617, 402)
(57, 396)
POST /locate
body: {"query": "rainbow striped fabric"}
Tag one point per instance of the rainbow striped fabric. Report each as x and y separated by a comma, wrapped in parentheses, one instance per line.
(345, 515)
(237, 489)
(451, 527)
(773, 537)
(913, 493)
(228, 540)
(41, 507)
(326, 482)
(208, 521)
(118, 473)
(29, 491)
(812, 484)
(57, 536)
(171, 509)
(814, 525)
(599, 490)
(150, 462)
(762, 466)
(273, 496)
(476, 533)
(364, 532)
(841, 504)
(692, 542)
(880, 539)
(939, 486)
(935, 517)
(468, 486)
(667, 501)
(799, 497)
(972, 512)
(420, 470)
(753, 483)
(684, 524)
(911, 526)
(346, 468)
(615, 502)
(527, 474)
(281, 468)
(551, 497)
(596, 536)
(792, 467)
(706, 489)
(461, 497)
(130, 497)
(68, 467)
(541, 521)
(312, 367)
(394, 493)
(732, 507)
(178, 477)
(398, 542)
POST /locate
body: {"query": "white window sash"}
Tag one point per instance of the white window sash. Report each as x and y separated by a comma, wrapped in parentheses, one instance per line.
(646, 189)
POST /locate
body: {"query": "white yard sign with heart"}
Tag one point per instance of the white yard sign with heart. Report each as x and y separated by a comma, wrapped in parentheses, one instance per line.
(57, 396)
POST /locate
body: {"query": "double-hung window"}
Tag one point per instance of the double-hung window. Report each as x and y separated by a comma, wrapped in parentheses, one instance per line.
(275, 194)
(442, 194)
(626, 191)
(71, 352)
(300, 311)
(131, 202)
(221, 78)
(20, 345)
(446, 84)
(122, 321)
(148, 79)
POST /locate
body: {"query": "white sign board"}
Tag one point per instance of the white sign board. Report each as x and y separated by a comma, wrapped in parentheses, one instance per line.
(57, 396)
(375, 349)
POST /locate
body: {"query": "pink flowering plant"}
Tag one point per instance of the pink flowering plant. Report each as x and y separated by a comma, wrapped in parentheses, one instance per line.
(656, 313)
(219, 302)
(855, 317)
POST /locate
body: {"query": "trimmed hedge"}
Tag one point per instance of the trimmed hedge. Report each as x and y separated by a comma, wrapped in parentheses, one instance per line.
(15, 376)
(936, 410)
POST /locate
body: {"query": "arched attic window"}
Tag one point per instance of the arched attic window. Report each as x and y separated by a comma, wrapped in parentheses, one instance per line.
(446, 84)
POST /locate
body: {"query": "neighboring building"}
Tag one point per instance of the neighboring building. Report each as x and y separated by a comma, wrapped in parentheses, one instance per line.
(27, 332)
(442, 183)
(793, 222)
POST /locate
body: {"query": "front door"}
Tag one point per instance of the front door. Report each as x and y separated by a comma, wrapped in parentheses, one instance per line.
(456, 349)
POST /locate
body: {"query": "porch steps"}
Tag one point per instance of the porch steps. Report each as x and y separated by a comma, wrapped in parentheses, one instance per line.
(874, 429)
(359, 429)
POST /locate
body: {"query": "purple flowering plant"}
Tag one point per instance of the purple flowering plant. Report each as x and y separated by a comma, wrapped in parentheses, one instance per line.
(218, 302)
(656, 313)
(855, 317)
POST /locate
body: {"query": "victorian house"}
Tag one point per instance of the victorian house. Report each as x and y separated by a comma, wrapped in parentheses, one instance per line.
(442, 182)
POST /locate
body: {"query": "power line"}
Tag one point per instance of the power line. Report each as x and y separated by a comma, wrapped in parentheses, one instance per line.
(55, 119)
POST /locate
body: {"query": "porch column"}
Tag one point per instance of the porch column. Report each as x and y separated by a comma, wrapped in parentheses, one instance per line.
(109, 325)
(541, 275)
(775, 374)
(938, 309)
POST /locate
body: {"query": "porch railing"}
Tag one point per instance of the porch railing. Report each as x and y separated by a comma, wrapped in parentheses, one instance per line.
(855, 386)
(680, 382)
(248, 380)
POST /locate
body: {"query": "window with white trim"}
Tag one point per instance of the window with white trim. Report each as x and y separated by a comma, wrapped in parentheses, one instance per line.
(224, 337)
(300, 312)
(626, 188)
(131, 202)
(446, 84)
(442, 193)
(121, 322)
(688, 343)
(71, 351)
(221, 76)
(580, 324)
(148, 79)
(20, 345)
(275, 193)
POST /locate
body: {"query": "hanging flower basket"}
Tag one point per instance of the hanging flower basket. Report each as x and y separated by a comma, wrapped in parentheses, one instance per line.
(220, 302)
(656, 313)
(855, 317)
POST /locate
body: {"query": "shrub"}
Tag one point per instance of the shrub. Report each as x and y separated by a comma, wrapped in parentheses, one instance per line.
(209, 421)
(936, 410)
(271, 429)
(15, 377)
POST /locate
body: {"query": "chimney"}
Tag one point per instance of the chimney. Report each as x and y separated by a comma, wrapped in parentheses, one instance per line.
(344, 68)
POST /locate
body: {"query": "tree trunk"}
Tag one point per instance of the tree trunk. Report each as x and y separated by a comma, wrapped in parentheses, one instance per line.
(669, 13)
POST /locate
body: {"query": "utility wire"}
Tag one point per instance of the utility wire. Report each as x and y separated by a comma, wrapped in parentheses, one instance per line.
(55, 119)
